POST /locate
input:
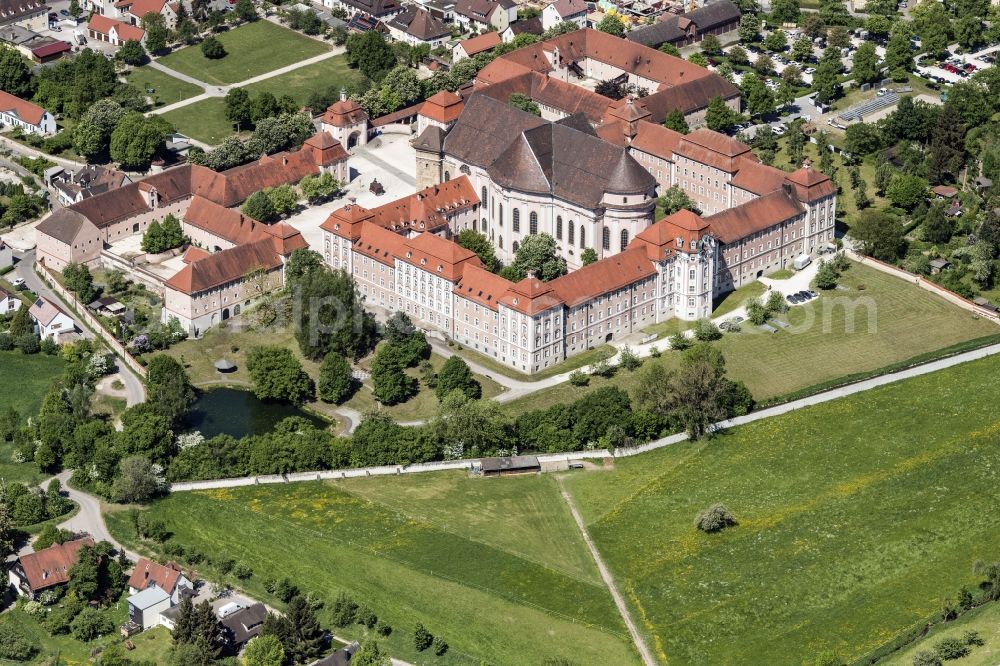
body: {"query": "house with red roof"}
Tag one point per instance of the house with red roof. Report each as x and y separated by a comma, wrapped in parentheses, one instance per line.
(33, 573)
(475, 45)
(113, 31)
(168, 577)
(133, 10)
(31, 118)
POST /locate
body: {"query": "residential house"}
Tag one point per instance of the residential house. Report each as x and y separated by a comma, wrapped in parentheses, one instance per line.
(243, 625)
(31, 118)
(30, 14)
(944, 192)
(341, 657)
(89, 181)
(168, 578)
(6, 255)
(532, 26)
(144, 607)
(483, 15)
(133, 11)
(474, 46)
(715, 18)
(564, 11)
(113, 31)
(51, 321)
(33, 573)
(9, 303)
(377, 9)
(415, 25)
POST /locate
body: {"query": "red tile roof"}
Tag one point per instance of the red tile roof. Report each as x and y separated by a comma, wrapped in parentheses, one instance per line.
(140, 8)
(193, 254)
(345, 112)
(757, 177)
(427, 209)
(660, 238)
(444, 107)
(437, 256)
(51, 49)
(379, 244)
(226, 223)
(26, 111)
(479, 285)
(147, 573)
(531, 296)
(225, 267)
(656, 140)
(606, 275)
(483, 42)
(50, 566)
(811, 185)
(346, 222)
(756, 215)
(103, 25)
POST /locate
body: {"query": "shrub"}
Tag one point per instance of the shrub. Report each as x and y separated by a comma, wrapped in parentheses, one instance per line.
(926, 658)
(422, 639)
(213, 49)
(628, 360)
(383, 629)
(284, 589)
(242, 571)
(15, 645)
(972, 637)
(734, 326)
(951, 648)
(364, 615)
(440, 647)
(756, 312)
(776, 302)
(578, 378)
(706, 331)
(225, 565)
(90, 624)
(827, 275)
(679, 341)
(602, 369)
(344, 609)
(716, 517)
(654, 351)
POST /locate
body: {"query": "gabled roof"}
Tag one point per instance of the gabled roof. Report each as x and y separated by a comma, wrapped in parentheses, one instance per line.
(44, 312)
(810, 184)
(656, 139)
(344, 113)
(126, 31)
(531, 296)
(661, 238)
(418, 22)
(714, 149)
(713, 15)
(568, 8)
(377, 243)
(431, 139)
(14, 10)
(26, 111)
(378, 8)
(444, 107)
(483, 42)
(479, 285)
(607, 275)
(50, 566)
(139, 8)
(225, 267)
(346, 221)
(245, 623)
(477, 10)
(756, 215)
(64, 225)
(437, 255)
(148, 597)
(148, 573)
(428, 209)
(757, 177)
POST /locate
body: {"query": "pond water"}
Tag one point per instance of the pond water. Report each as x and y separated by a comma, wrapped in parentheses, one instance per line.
(239, 413)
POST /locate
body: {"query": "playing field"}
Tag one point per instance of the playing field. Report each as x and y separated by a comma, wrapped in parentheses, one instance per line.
(494, 566)
(165, 89)
(878, 321)
(856, 518)
(251, 50)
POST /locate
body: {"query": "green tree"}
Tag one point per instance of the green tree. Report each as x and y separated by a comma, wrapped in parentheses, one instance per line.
(759, 99)
(84, 576)
(156, 31)
(947, 146)
(335, 379)
(80, 281)
(238, 107)
(370, 654)
(132, 53)
(826, 80)
(422, 638)
(719, 116)
(866, 63)
(245, 11)
(264, 650)
(277, 375)
(92, 135)
(317, 189)
(675, 120)
(588, 256)
(776, 41)
(738, 56)
(138, 138)
(370, 53)
(21, 323)
(259, 207)
(283, 198)
(537, 254)
(455, 375)
(525, 103)
(711, 45)
(302, 263)
(785, 11)
(696, 390)
(880, 235)
(390, 383)
(932, 23)
(212, 48)
(331, 317)
(969, 31)
(168, 389)
(307, 636)
(612, 24)
(898, 55)
(802, 49)
(749, 29)
(827, 275)
(906, 191)
(937, 228)
(675, 199)
(15, 77)
(476, 242)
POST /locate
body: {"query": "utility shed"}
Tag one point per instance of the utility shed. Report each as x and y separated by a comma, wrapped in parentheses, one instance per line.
(507, 465)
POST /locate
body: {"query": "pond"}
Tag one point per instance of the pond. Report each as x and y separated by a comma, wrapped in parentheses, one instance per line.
(229, 411)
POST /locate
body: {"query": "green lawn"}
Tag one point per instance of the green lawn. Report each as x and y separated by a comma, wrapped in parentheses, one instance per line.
(166, 89)
(252, 49)
(203, 121)
(985, 620)
(737, 298)
(572, 363)
(153, 645)
(317, 77)
(495, 568)
(906, 322)
(34, 374)
(856, 518)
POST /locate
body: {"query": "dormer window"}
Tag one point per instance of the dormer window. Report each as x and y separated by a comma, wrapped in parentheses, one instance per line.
(693, 243)
(423, 262)
(680, 242)
(440, 268)
(516, 301)
(337, 226)
(409, 255)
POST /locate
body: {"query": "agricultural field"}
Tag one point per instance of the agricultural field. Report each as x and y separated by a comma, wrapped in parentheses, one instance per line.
(856, 518)
(878, 321)
(166, 89)
(493, 566)
(251, 50)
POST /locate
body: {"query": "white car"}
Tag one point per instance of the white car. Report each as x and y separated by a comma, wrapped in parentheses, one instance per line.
(809, 70)
(778, 129)
(18, 283)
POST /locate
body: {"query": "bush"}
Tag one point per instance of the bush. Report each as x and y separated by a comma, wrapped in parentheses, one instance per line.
(628, 360)
(213, 49)
(344, 610)
(440, 647)
(242, 571)
(366, 616)
(706, 331)
(383, 629)
(715, 518)
(654, 351)
(679, 341)
(284, 589)
(827, 275)
(90, 624)
(972, 637)
(422, 639)
(602, 369)
(776, 302)
(926, 658)
(15, 645)
(951, 648)
(756, 312)
(578, 378)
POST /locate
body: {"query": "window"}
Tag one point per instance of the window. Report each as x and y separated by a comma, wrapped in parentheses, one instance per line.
(500, 242)
(558, 227)
(484, 196)
(447, 176)
(515, 246)
(624, 239)
(583, 237)
(465, 169)
(606, 239)
(571, 230)
(501, 212)
(517, 221)
(483, 224)
(533, 223)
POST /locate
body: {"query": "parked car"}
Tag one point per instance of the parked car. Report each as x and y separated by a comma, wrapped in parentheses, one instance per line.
(812, 294)
(970, 68)
(779, 129)
(809, 70)
(793, 299)
(64, 12)
(18, 283)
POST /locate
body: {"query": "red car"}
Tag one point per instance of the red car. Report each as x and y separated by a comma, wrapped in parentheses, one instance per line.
(970, 68)
(948, 67)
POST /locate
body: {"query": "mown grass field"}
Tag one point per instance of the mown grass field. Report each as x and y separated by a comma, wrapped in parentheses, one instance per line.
(251, 50)
(34, 374)
(856, 518)
(493, 566)
(317, 77)
(203, 121)
(835, 331)
(166, 89)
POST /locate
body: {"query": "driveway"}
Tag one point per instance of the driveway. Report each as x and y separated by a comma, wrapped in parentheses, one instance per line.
(88, 519)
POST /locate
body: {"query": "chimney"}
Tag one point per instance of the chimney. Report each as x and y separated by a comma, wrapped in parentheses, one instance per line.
(806, 164)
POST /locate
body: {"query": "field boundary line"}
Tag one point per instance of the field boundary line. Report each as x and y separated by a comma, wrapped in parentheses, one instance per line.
(609, 581)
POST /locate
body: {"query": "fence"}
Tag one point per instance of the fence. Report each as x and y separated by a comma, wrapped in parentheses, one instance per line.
(927, 285)
(93, 322)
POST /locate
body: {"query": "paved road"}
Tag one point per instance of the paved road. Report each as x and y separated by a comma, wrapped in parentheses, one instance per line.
(16, 147)
(88, 519)
(609, 581)
(136, 392)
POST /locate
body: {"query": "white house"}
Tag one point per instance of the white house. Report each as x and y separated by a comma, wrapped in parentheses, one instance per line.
(416, 26)
(9, 303)
(144, 607)
(561, 11)
(474, 46)
(51, 321)
(168, 578)
(31, 118)
(112, 31)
